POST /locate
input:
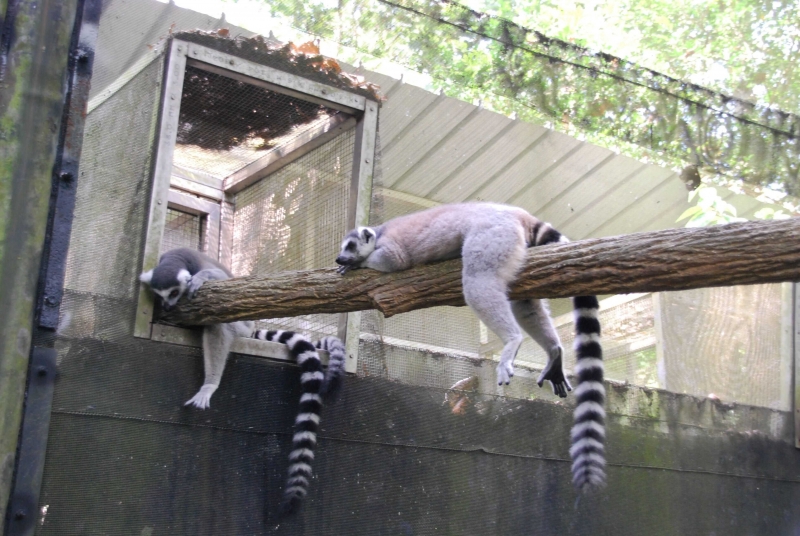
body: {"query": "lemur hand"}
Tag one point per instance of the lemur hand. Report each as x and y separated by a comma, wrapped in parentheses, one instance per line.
(554, 373)
(202, 399)
(344, 268)
(194, 285)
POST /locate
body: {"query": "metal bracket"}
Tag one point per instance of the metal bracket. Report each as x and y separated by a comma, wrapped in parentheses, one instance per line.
(23, 507)
(65, 171)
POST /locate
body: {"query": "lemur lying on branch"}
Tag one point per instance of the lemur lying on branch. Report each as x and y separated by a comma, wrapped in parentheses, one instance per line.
(492, 240)
(182, 272)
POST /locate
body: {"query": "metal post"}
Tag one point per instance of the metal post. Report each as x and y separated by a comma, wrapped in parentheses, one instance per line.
(34, 49)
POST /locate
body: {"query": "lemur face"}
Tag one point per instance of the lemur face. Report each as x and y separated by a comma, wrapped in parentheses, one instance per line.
(356, 247)
(171, 294)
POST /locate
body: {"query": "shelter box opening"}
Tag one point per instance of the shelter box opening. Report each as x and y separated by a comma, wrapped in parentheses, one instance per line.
(256, 165)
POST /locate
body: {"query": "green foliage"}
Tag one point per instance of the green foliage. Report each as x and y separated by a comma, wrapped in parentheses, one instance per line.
(743, 48)
(646, 368)
(768, 213)
(711, 209)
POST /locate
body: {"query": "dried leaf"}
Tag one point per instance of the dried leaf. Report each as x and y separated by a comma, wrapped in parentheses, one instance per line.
(467, 384)
(331, 64)
(223, 32)
(310, 48)
(460, 408)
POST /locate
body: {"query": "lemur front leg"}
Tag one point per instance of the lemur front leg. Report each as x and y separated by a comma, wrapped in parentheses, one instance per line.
(197, 280)
(383, 259)
(535, 319)
(217, 342)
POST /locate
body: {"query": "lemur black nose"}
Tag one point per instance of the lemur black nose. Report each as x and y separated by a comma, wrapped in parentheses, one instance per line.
(166, 306)
(340, 260)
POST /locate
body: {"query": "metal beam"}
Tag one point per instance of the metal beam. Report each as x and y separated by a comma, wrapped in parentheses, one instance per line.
(36, 41)
(66, 169)
(24, 505)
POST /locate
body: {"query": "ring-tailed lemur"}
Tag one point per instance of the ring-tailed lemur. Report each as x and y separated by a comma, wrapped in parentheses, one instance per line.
(182, 271)
(315, 387)
(492, 239)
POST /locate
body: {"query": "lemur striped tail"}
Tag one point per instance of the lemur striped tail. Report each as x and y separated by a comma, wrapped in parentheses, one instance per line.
(334, 376)
(307, 421)
(588, 433)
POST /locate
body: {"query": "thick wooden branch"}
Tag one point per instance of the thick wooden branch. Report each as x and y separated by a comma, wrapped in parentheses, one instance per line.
(673, 259)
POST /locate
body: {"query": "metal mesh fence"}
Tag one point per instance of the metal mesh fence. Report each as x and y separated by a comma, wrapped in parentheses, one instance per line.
(648, 340)
(628, 342)
(183, 230)
(392, 458)
(226, 124)
(294, 219)
(104, 255)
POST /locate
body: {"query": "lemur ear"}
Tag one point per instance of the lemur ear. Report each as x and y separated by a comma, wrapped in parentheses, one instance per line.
(184, 276)
(146, 277)
(367, 234)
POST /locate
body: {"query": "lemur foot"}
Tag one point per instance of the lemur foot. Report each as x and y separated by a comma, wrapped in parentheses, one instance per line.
(554, 373)
(202, 399)
(505, 371)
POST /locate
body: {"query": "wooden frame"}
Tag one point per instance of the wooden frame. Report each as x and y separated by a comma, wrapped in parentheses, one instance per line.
(215, 201)
(175, 69)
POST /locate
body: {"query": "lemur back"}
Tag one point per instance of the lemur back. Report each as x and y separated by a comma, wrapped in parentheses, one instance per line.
(315, 387)
(492, 240)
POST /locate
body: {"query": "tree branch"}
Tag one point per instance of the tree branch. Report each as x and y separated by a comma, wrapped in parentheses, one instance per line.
(672, 259)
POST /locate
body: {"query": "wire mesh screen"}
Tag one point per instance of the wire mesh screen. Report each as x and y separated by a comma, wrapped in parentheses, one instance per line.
(126, 458)
(731, 343)
(226, 124)
(628, 341)
(294, 219)
(103, 260)
(182, 230)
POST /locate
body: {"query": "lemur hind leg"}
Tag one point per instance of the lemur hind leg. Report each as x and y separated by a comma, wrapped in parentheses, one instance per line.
(491, 259)
(217, 342)
(535, 319)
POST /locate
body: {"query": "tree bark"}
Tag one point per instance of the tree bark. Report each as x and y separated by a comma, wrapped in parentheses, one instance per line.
(672, 259)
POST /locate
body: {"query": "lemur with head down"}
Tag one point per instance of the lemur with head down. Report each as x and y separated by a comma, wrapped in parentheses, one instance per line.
(492, 240)
(182, 272)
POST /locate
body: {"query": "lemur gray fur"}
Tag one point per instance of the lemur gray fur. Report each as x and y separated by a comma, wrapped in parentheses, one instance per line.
(183, 271)
(492, 240)
(315, 388)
